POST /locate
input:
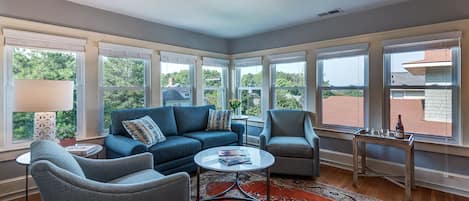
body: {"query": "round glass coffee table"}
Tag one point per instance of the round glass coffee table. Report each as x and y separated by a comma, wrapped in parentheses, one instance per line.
(208, 159)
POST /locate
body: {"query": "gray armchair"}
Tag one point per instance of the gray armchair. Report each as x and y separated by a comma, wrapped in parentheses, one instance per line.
(62, 176)
(289, 136)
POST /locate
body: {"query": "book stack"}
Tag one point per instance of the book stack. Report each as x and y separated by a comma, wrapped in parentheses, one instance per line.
(82, 149)
(233, 157)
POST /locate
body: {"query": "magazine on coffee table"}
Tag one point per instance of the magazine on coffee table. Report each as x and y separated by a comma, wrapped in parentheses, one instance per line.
(231, 157)
(232, 152)
(234, 160)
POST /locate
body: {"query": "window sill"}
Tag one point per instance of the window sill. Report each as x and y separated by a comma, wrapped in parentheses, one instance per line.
(10, 153)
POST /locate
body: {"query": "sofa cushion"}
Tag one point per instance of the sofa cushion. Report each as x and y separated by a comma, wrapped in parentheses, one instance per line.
(214, 138)
(163, 117)
(144, 130)
(287, 123)
(174, 147)
(191, 119)
(138, 177)
(295, 147)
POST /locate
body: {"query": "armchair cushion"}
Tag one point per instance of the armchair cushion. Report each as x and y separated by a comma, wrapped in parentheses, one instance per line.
(296, 147)
(138, 177)
(214, 138)
(287, 123)
(191, 119)
(174, 147)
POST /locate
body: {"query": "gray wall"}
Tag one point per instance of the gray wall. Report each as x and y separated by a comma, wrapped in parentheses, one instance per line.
(64, 13)
(407, 14)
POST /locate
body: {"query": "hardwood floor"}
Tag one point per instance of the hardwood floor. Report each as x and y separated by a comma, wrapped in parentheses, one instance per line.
(374, 187)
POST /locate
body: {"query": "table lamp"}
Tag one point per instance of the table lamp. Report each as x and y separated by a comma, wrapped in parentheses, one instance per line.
(44, 98)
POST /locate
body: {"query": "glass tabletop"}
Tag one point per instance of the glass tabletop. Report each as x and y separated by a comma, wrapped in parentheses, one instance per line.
(260, 159)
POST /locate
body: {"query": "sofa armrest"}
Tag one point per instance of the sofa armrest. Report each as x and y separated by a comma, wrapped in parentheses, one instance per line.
(57, 184)
(238, 129)
(106, 170)
(124, 146)
(264, 137)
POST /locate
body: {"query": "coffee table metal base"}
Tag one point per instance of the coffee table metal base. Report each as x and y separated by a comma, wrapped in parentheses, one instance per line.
(236, 184)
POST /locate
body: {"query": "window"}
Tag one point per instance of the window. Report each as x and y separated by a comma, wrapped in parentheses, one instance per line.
(39, 56)
(249, 86)
(214, 82)
(422, 84)
(342, 83)
(288, 80)
(123, 79)
(177, 79)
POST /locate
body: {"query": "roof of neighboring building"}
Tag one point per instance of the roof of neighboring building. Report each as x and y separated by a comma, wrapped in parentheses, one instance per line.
(405, 78)
(348, 110)
(174, 94)
(432, 58)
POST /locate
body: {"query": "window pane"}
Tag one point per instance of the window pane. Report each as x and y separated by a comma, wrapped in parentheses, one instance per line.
(419, 68)
(425, 111)
(346, 71)
(289, 98)
(121, 99)
(290, 74)
(343, 107)
(214, 97)
(214, 86)
(213, 77)
(123, 72)
(250, 76)
(176, 83)
(47, 65)
(251, 102)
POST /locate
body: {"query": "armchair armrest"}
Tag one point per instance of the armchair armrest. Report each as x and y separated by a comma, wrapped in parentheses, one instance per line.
(265, 135)
(124, 146)
(109, 169)
(238, 129)
(58, 184)
(313, 140)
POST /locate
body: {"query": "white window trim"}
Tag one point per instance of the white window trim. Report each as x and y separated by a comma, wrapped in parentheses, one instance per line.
(79, 87)
(223, 64)
(283, 59)
(422, 43)
(341, 52)
(102, 89)
(184, 59)
(246, 63)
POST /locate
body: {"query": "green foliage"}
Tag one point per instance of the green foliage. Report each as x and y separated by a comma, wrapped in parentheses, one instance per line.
(122, 73)
(48, 65)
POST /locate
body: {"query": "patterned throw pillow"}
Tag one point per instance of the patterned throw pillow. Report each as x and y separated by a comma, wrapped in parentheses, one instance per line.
(144, 130)
(219, 120)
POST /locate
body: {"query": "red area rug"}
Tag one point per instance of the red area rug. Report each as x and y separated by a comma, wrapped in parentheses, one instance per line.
(282, 188)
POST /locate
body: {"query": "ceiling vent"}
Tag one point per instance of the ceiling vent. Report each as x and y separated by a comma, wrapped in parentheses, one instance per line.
(331, 12)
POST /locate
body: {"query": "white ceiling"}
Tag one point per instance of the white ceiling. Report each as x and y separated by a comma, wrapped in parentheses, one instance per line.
(231, 18)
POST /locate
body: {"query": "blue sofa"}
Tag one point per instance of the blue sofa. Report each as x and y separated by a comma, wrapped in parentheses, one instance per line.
(184, 128)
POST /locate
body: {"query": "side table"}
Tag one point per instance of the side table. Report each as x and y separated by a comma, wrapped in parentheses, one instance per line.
(245, 118)
(25, 160)
(407, 144)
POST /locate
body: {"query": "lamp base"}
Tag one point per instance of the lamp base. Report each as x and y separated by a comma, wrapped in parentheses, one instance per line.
(44, 126)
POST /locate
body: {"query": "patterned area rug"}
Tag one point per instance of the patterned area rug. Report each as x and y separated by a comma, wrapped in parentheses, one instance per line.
(283, 188)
